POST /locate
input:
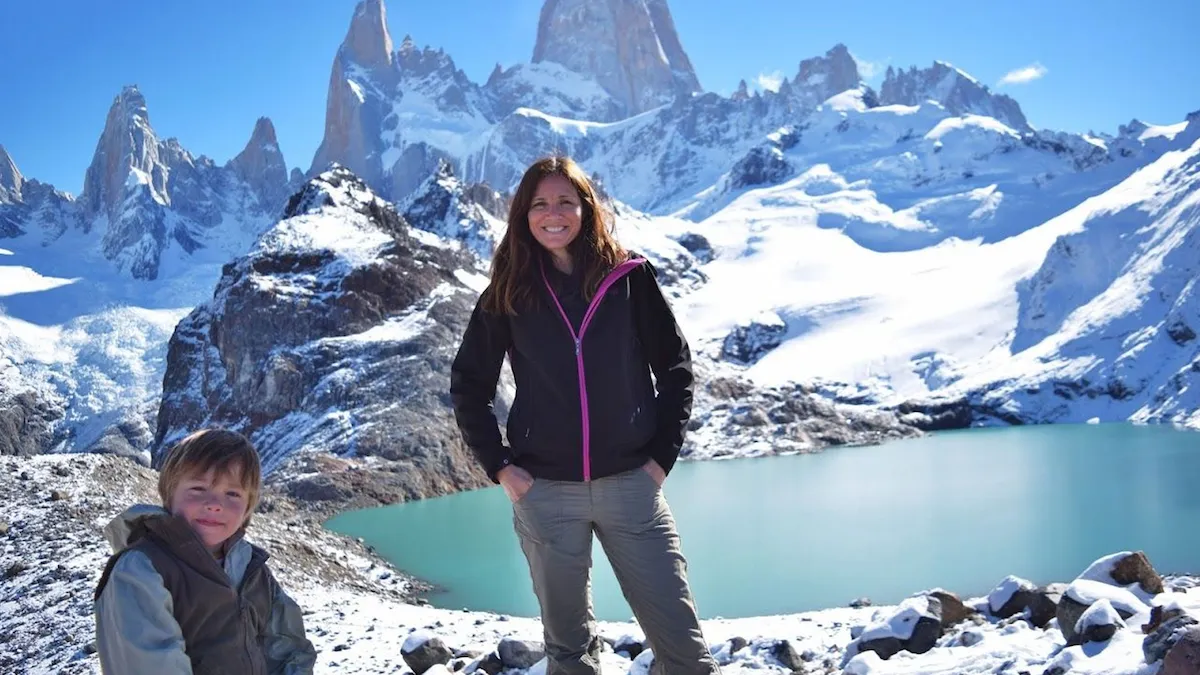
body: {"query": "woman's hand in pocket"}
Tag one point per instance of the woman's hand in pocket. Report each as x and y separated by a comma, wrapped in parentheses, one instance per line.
(656, 471)
(515, 481)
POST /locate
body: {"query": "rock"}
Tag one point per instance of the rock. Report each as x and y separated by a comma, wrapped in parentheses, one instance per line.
(1156, 645)
(1184, 656)
(1180, 332)
(859, 603)
(14, 569)
(1085, 592)
(916, 627)
(762, 165)
(1042, 604)
(925, 635)
(89, 648)
(1098, 623)
(937, 416)
(630, 645)
(520, 653)
(490, 664)
(885, 647)
(971, 637)
(1160, 615)
(26, 422)
(1005, 600)
(728, 388)
(1136, 568)
(58, 495)
(61, 470)
(130, 438)
(754, 417)
(3, 528)
(785, 653)
(953, 609)
(459, 663)
(422, 651)
(1015, 596)
(1068, 614)
(749, 341)
(698, 246)
(736, 644)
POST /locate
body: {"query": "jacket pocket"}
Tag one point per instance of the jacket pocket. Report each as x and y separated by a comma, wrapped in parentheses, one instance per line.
(520, 423)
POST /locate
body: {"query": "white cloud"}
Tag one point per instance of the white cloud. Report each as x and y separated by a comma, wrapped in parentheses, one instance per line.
(769, 81)
(1024, 75)
(869, 70)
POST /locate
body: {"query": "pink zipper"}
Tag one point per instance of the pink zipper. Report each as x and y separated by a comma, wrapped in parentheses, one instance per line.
(612, 278)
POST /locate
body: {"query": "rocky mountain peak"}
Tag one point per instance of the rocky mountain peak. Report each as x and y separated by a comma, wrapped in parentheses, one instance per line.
(472, 214)
(337, 187)
(742, 93)
(368, 42)
(630, 47)
(127, 152)
(11, 179)
(261, 164)
(957, 91)
(829, 75)
(1133, 129)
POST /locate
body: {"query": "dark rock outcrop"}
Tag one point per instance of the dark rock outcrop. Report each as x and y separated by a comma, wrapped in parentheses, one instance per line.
(332, 338)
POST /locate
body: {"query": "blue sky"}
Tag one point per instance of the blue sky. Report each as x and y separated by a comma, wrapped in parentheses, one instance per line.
(210, 69)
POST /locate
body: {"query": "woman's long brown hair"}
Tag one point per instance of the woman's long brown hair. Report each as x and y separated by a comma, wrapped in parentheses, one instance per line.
(515, 264)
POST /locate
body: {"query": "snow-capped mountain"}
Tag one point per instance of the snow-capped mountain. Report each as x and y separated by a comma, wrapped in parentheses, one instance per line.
(307, 345)
(957, 91)
(91, 288)
(1107, 326)
(938, 293)
(149, 196)
(148, 202)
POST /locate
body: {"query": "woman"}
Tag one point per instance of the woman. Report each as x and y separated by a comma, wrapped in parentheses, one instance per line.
(589, 444)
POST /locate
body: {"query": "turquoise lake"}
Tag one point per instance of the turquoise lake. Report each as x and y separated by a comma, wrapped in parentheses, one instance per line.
(959, 510)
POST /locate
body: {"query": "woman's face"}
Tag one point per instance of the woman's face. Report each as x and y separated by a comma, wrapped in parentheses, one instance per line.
(555, 214)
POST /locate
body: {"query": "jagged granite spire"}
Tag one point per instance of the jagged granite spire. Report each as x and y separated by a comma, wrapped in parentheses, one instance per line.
(127, 149)
(11, 179)
(828, 75)
(368, 42)
(630, 47)
(261, 165)
(352, 120)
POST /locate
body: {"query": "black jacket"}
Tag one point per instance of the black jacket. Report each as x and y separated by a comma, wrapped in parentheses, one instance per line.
(631, 332)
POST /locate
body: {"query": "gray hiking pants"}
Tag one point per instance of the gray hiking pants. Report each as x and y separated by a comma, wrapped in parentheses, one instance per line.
(555, 520)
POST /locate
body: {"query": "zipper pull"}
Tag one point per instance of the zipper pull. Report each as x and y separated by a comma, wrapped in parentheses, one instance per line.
(578, 346)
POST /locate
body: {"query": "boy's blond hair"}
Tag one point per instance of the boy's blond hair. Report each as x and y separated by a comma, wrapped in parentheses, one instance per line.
(222, 451)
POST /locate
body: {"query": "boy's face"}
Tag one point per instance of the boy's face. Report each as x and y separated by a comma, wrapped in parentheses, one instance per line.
(213, 505)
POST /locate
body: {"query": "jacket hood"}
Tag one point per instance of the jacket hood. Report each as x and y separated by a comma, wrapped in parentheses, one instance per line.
(120, 529)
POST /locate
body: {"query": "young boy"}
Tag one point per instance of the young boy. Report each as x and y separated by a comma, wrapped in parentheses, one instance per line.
(185, 593)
